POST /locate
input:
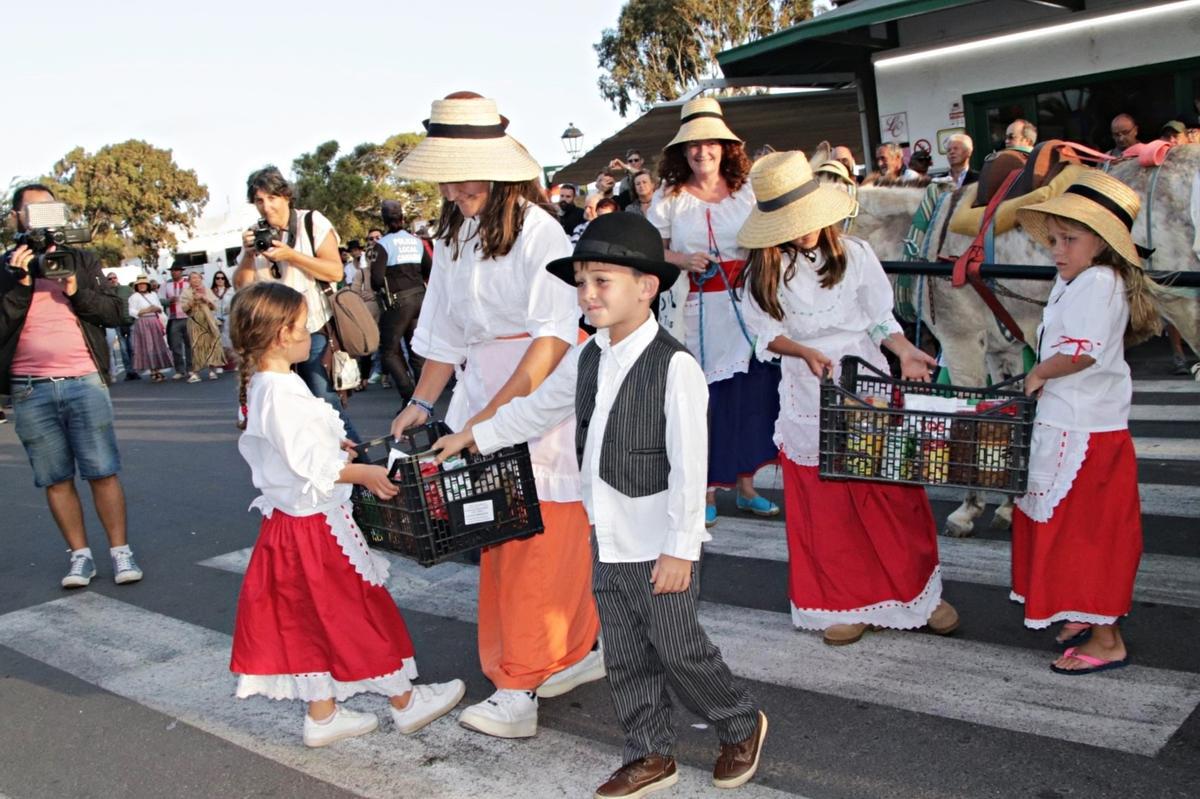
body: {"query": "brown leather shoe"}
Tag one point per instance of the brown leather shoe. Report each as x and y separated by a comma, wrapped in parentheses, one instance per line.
(842, 634)
(739, 761)
(643, 776)
(944, 619)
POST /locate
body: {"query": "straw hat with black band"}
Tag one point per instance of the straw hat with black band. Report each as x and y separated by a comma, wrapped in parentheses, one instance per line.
(702, 120)
(140, 279)
(623, 239)
(791, 203)
(466, 140)
(1098, 200)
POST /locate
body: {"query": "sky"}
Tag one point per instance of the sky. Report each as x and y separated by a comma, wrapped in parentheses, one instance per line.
(231, 86)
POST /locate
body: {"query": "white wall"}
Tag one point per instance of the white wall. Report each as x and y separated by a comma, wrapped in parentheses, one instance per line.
(925, 89)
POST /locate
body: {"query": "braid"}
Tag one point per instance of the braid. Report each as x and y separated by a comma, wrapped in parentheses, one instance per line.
(258, 314)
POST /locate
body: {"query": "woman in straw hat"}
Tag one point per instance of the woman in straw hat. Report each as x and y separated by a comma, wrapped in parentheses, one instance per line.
(496, 316)
(703, 200)
(1082, 466)
(149, 336)
(860, 553)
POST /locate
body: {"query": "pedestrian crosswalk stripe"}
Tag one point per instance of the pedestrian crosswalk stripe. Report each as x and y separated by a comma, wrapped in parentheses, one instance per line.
(989, 684)
(1166, 386)
(1169, 579)
(182, 670)
(1179, 501)
(1164, 413)
(1167, 449)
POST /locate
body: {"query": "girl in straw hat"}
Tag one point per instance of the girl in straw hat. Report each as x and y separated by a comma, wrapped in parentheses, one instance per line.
(496, 316)
(860, 553)
(703, 201)
(1082, 468)
(149, 337)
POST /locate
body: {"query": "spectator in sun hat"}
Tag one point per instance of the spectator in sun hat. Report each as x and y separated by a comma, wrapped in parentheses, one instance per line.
(703, 200)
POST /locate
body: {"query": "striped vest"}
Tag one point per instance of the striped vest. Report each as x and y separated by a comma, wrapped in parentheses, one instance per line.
(633, 453)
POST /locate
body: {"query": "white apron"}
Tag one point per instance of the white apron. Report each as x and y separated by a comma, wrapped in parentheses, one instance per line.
(489, 366)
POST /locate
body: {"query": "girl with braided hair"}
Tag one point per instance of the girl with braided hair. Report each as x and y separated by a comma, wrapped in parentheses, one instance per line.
(314, 621)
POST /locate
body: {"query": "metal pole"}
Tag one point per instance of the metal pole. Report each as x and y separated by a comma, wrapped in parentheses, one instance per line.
(1024, 272)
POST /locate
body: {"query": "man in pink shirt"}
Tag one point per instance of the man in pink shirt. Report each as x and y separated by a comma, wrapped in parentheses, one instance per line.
(54, 363)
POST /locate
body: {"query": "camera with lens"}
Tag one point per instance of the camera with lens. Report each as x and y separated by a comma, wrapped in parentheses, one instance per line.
(264, 234)
(45, 225)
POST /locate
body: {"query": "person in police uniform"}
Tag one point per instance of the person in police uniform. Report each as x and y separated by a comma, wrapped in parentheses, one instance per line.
(400, 265)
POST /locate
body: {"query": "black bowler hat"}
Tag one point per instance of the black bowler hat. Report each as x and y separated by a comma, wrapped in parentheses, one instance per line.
(619, 238)
(354, 244)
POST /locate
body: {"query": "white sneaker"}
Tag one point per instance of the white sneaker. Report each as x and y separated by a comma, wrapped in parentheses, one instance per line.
(427, 704)
(125, 568)
(589, 668)
(341, 725)
(505, 714)
(80, 573)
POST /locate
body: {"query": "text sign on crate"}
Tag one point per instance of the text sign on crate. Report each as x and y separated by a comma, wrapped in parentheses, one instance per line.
(440, 512)
(877, 427)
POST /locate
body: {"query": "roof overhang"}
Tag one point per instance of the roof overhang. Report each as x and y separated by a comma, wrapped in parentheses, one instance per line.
(841, 40)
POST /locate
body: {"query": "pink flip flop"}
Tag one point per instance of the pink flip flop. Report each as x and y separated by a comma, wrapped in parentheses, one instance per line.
(1097, 664)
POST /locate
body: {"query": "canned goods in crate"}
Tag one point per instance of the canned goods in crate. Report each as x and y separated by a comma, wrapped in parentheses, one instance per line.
(445, 510)
(924, 433)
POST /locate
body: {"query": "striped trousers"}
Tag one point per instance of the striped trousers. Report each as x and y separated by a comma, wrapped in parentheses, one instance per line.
(652, 640)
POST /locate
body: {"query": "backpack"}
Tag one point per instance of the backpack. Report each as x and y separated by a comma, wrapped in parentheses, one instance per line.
(353, 325)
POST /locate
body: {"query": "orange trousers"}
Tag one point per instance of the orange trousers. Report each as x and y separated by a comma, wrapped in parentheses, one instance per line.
(536, 611)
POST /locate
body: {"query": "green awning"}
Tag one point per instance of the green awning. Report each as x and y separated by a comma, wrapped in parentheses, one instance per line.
(831, 26)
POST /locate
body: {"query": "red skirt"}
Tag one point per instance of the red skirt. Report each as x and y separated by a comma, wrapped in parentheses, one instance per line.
(859, 552)
(1080, 564)
(304, 610)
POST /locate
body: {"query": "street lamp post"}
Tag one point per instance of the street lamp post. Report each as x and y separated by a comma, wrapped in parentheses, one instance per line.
(572, 139)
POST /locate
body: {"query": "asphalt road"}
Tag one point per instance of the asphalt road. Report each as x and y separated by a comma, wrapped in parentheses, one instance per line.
(121, 690)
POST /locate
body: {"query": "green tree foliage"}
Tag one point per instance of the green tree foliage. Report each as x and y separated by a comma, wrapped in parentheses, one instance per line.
(349, 189)
(660, 48)
(131, 195)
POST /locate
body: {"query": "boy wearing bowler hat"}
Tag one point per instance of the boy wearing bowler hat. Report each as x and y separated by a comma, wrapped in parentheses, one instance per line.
(640, 402)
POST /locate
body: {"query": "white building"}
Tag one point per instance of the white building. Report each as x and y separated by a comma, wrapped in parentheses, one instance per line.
(925, 68)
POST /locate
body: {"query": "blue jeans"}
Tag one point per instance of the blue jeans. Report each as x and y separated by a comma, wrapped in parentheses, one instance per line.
(64, 423)
(313, 373)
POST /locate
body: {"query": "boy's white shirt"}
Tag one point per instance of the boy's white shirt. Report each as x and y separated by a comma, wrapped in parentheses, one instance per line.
(627, 529)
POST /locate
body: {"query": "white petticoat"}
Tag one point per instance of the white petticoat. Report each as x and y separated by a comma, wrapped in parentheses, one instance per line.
(372, 567)
(893, 614)
(1062, 615)
(1055, 456)
(316, 686)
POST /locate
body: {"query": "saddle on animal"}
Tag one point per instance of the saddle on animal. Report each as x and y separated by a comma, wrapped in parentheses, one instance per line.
(967, 219)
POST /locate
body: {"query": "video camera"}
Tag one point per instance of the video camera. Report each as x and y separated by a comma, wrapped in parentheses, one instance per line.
(264, 234)
(45, 225)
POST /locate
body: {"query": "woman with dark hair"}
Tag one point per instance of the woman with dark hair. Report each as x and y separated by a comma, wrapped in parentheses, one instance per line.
(702, 202)
(224, 294)
(496, 317)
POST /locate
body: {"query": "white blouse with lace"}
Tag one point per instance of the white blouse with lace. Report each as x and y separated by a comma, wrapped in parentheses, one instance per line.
(292, 443)
(1083, 316)
(850, 318)
(684, 220)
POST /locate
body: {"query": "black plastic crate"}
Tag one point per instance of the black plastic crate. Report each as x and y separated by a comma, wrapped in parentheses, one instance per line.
(439, 514)
(874, 428)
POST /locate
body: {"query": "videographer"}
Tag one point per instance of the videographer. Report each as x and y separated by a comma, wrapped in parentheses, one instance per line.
(400, 266)
(54, 362)
(299, 248)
